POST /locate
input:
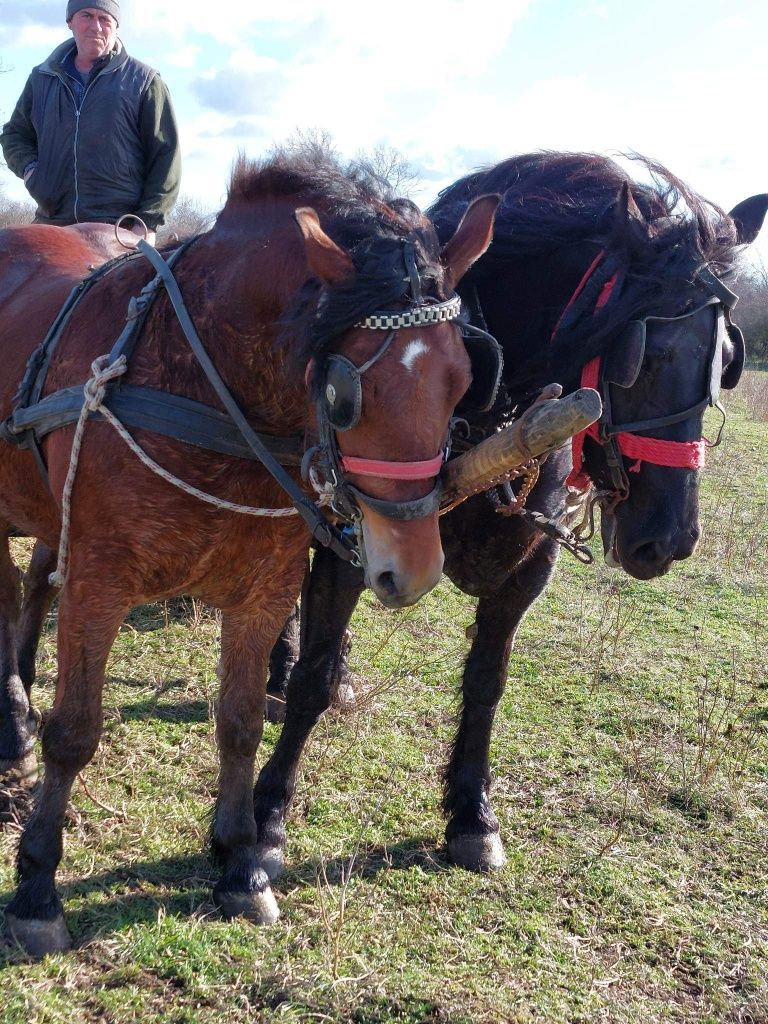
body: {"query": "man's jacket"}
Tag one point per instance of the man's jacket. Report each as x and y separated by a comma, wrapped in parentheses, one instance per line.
(117, 154)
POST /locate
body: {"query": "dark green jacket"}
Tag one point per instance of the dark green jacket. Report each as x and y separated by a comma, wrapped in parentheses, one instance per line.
(118, 154)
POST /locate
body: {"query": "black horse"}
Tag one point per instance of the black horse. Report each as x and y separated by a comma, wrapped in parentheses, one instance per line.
(585, 263)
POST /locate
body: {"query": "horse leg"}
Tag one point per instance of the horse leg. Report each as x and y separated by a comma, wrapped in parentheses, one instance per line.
(18, 721)
(38, 597)
(284, 656)
(88, 623)
(329, 600)
(286, 653)
(472, 831)
(243, 890)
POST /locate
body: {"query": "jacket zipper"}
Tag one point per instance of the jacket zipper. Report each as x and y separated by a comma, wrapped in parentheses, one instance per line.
(64, 82)
(77, 132)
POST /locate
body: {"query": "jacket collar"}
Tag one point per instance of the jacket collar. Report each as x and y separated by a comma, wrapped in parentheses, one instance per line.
(53, 65)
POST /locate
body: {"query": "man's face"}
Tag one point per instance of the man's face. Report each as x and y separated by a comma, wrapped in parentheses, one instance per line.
(95, 32)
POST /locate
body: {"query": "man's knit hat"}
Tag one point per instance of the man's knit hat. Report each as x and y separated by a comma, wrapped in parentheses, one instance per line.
(108, 6)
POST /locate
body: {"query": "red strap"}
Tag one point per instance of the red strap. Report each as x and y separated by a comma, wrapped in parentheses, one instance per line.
(677, 454)
(579, 288)
(606, 291)
(393, 470)
(578, 478)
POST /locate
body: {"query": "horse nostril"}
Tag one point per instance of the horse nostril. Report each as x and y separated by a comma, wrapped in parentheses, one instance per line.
(386, 584)
(651, 553)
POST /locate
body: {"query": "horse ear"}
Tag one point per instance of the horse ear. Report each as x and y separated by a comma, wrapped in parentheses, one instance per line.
(748, 217)
(470, 240)
(627, 224)
(325, 259)
(625, 209)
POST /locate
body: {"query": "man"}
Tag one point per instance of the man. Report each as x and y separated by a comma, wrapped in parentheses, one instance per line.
(94, 135)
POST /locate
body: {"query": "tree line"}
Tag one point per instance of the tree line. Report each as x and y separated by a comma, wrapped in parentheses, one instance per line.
(751, 313)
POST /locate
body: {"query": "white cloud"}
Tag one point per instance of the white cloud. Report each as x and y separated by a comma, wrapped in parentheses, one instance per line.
(411, 32)
(185, 57)
(42, 37)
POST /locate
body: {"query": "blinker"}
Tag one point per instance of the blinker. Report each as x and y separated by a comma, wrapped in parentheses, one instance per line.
(734, 370)
(487, 361)
(716, 363)
(343, 393)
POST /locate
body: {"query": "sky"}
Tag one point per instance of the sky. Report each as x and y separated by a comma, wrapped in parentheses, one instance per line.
(451, 85)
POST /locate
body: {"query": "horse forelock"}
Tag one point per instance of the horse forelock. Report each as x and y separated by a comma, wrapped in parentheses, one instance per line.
(360, 212)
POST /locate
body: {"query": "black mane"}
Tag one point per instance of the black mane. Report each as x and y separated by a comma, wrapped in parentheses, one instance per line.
(360, 212)
(553, 201)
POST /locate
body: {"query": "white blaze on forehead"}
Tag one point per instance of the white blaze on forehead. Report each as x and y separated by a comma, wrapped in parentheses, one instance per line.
(413, 350)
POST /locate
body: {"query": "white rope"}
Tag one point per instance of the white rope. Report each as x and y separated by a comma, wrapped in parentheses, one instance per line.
(95, 390)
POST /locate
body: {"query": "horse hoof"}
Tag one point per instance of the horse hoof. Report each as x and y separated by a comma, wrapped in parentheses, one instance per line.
(17, 783)
(344, 698)
(258, 907)
(275, 710)
(39, 938)
(272, 860)
(477, 853)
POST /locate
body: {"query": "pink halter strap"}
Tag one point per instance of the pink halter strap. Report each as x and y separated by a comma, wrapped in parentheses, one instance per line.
(676, 454)
(393, 470)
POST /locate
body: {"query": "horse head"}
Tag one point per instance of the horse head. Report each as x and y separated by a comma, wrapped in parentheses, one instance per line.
(600, 280)
(657, 378)
(385, 389)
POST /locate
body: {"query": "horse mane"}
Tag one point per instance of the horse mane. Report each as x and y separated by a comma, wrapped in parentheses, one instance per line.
(359, 210)
(552, 201)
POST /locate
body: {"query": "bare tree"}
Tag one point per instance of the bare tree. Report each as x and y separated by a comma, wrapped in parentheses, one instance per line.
(189, 217)
(390, 164)
(751, 314)
(14, 211)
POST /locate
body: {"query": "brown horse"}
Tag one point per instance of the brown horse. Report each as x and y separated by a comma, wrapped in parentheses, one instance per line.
(275, 307)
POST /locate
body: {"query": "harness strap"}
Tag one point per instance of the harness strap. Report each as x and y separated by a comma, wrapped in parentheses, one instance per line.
(416, 508)
(174, 416)
(675, 454)
(321, 530)
(36, 371)
(393, 470)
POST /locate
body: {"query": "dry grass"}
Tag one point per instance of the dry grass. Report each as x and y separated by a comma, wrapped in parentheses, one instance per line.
(630, 761)
(753, 391)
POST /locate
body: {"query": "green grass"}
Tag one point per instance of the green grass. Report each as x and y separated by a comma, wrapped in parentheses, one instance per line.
(631, 782)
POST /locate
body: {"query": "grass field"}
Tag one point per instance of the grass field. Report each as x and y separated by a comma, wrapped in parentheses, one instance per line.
(631, 786)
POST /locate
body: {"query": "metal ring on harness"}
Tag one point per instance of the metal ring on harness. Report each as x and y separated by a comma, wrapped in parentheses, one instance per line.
(119, 223)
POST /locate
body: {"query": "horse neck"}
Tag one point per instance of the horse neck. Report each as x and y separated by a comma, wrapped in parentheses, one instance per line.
(522, 300)
(236, 295)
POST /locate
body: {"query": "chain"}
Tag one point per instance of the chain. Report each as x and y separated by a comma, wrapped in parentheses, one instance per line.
(531, 472)
(487, 486)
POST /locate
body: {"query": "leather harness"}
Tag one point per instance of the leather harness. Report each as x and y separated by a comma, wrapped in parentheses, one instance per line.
(228, 432)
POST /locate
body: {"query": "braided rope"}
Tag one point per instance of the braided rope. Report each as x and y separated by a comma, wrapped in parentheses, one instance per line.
(94, 391)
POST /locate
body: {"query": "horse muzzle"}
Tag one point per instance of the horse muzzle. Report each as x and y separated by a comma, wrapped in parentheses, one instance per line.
(402, 561)
(648, 553)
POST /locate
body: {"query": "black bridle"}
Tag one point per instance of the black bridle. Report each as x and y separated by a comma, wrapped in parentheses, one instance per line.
(621, 367)
(339, 407)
